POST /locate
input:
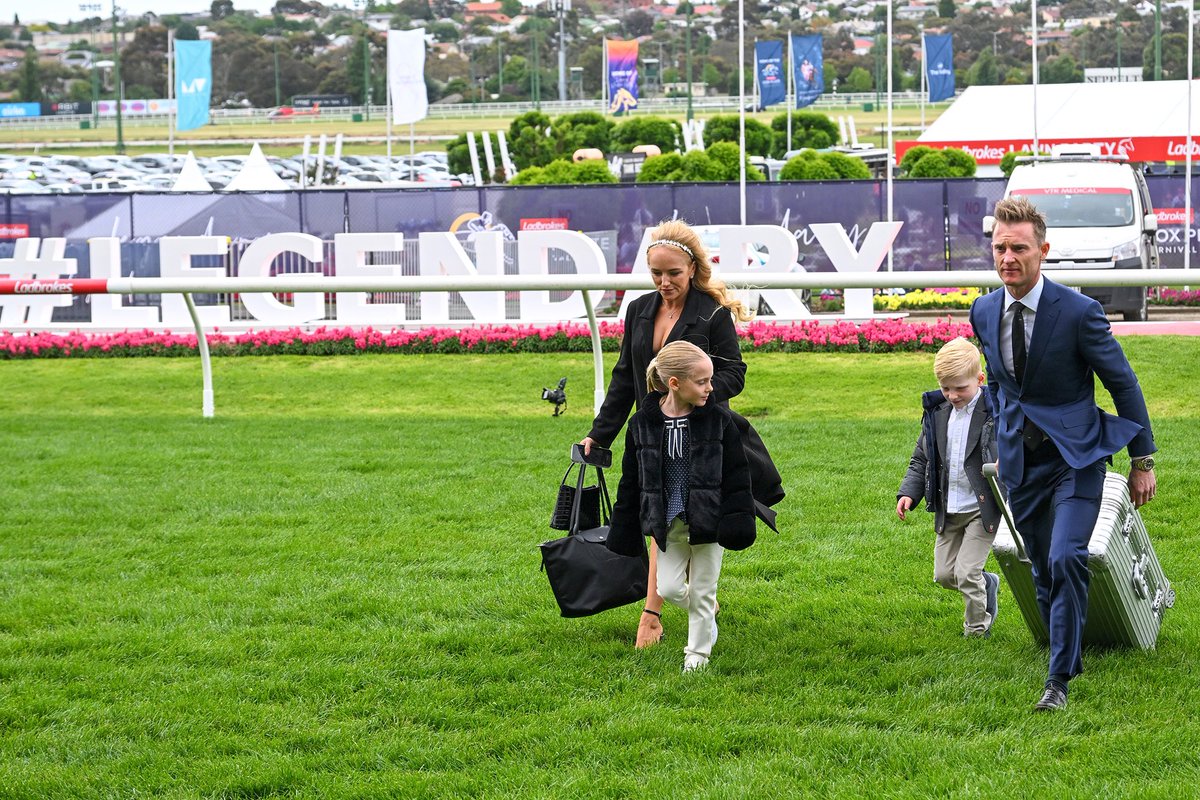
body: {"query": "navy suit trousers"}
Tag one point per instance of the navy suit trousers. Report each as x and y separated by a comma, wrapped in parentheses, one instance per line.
(1055, 509)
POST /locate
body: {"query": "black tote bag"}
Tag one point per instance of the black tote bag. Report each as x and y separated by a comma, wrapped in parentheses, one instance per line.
(585, 576)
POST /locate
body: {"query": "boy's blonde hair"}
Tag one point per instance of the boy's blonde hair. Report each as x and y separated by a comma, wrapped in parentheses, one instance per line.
(958, 358)
(674, 360)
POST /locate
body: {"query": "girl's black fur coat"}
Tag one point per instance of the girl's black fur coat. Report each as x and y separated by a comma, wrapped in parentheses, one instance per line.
(720, 506)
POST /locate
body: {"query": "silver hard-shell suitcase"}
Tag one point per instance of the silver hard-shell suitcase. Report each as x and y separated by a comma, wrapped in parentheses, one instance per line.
(1128, 594)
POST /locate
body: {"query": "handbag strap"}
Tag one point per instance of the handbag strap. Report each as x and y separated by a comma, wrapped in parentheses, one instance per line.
(577, 500)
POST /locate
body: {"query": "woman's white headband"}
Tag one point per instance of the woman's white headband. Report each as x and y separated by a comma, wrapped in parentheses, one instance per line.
(672, 243)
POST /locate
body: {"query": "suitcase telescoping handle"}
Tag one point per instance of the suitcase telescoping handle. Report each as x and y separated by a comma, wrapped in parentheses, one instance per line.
(993, 478)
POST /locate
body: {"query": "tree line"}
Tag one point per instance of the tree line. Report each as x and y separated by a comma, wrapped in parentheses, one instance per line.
(264, 61)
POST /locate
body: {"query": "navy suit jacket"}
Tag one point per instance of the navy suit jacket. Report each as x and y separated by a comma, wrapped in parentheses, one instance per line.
(1072, 343)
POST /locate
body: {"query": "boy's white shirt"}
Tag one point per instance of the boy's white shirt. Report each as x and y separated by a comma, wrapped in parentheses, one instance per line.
(960, 497)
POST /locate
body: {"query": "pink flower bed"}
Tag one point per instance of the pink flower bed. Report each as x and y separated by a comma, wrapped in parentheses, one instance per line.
(879, 336)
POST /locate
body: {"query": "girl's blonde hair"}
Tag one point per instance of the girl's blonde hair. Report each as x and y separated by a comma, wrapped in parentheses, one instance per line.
(677, 231)
(675, 360)
(958, 358)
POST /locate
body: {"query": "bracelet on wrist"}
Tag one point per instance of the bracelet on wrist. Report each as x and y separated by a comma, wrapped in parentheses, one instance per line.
(655, 613)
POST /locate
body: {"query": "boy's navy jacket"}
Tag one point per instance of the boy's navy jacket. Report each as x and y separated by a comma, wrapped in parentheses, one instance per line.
(928, 475)
(720, 506)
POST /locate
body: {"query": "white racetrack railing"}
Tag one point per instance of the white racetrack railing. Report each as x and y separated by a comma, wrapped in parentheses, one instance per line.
(292, 282)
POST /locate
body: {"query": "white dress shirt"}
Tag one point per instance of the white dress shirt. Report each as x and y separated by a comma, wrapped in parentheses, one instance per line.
(960, 497)
(1030, 301)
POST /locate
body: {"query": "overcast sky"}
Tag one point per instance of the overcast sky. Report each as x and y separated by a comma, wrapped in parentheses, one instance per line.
(65, 10)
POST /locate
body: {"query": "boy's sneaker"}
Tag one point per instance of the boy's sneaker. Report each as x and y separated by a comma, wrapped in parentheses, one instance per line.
(694, 663)
(991, 585)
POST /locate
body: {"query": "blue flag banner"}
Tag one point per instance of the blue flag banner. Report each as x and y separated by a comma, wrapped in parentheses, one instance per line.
(768, 70)
(939, 66)
(193, 83)
(809, 67)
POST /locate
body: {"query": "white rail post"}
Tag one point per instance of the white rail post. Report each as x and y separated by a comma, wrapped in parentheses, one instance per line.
(206, 403)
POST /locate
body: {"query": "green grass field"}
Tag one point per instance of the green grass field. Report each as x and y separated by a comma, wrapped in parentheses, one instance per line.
(332, 590)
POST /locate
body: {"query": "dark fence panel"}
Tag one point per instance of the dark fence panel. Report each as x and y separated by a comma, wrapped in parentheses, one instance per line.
(1166, 194)
(943, 218)
(967, 203)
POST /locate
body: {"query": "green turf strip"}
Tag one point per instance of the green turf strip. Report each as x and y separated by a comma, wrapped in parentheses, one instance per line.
(332, 590)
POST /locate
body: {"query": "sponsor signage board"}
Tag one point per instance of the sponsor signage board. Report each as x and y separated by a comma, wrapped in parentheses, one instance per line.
(322, 100)
(1134, 148)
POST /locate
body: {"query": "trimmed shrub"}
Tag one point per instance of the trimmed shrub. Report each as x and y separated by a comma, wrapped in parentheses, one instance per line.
(808, 166)
(582, 129)
(725, 156)
(809, 129)
(592, 171)
(527, 141)
(458, 156)
(951, 162)
(1009, 161)
(666, 133)
(914, 155)
(962, 164)
(932, 165)
(660, 169)
(697, 166)
(529, 176)
(847, 167)
(724, 128)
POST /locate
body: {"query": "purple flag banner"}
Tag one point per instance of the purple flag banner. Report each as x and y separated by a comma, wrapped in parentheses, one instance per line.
(622, 76)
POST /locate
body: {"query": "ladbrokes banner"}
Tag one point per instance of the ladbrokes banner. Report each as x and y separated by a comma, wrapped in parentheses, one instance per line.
(939, 66)
(622, 76)
(193, 83)
(768, 66)
(809, 66)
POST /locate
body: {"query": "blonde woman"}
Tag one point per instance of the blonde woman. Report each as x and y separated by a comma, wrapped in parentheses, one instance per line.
(690, 305)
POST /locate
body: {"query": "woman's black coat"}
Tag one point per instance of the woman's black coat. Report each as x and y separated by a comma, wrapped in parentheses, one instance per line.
(707, 324)
(704, 322)
(720, 507)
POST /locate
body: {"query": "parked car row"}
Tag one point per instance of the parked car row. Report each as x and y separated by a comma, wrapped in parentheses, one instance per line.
(156, 172)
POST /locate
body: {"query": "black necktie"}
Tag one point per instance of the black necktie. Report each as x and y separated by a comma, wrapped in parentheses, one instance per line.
(1018, 342)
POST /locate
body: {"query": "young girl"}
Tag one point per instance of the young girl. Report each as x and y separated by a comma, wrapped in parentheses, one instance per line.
(685, 482)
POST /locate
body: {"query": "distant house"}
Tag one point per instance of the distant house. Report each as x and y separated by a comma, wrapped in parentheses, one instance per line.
(491, 11)
(916, 11)
(10, 58)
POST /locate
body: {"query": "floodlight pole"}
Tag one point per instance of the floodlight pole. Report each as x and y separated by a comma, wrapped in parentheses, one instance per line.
(689, 59)
(561, 7)
(1158, 40)
(120, 148)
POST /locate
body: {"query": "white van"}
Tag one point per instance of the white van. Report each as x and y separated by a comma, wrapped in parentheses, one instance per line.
(1098, 216)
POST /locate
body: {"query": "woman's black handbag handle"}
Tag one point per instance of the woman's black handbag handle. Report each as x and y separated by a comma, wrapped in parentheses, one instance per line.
(605, 502)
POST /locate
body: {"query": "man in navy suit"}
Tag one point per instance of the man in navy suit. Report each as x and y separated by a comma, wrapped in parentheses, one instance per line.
(1044, 345)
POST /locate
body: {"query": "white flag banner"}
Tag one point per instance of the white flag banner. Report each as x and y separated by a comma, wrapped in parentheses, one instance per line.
(406, 75)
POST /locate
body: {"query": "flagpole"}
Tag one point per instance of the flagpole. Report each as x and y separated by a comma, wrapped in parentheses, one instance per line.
(742, 107)
(791, 66)
(891, 148)
(1037, 150)
(604, 77)
(924, 70)
(171, 93)
(1187, 172)
(757, 98)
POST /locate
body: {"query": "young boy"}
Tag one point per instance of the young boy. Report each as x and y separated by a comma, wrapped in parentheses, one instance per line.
(958, 437)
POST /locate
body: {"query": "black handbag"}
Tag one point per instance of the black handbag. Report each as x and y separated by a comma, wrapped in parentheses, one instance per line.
(585, 576)
(589, 504)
